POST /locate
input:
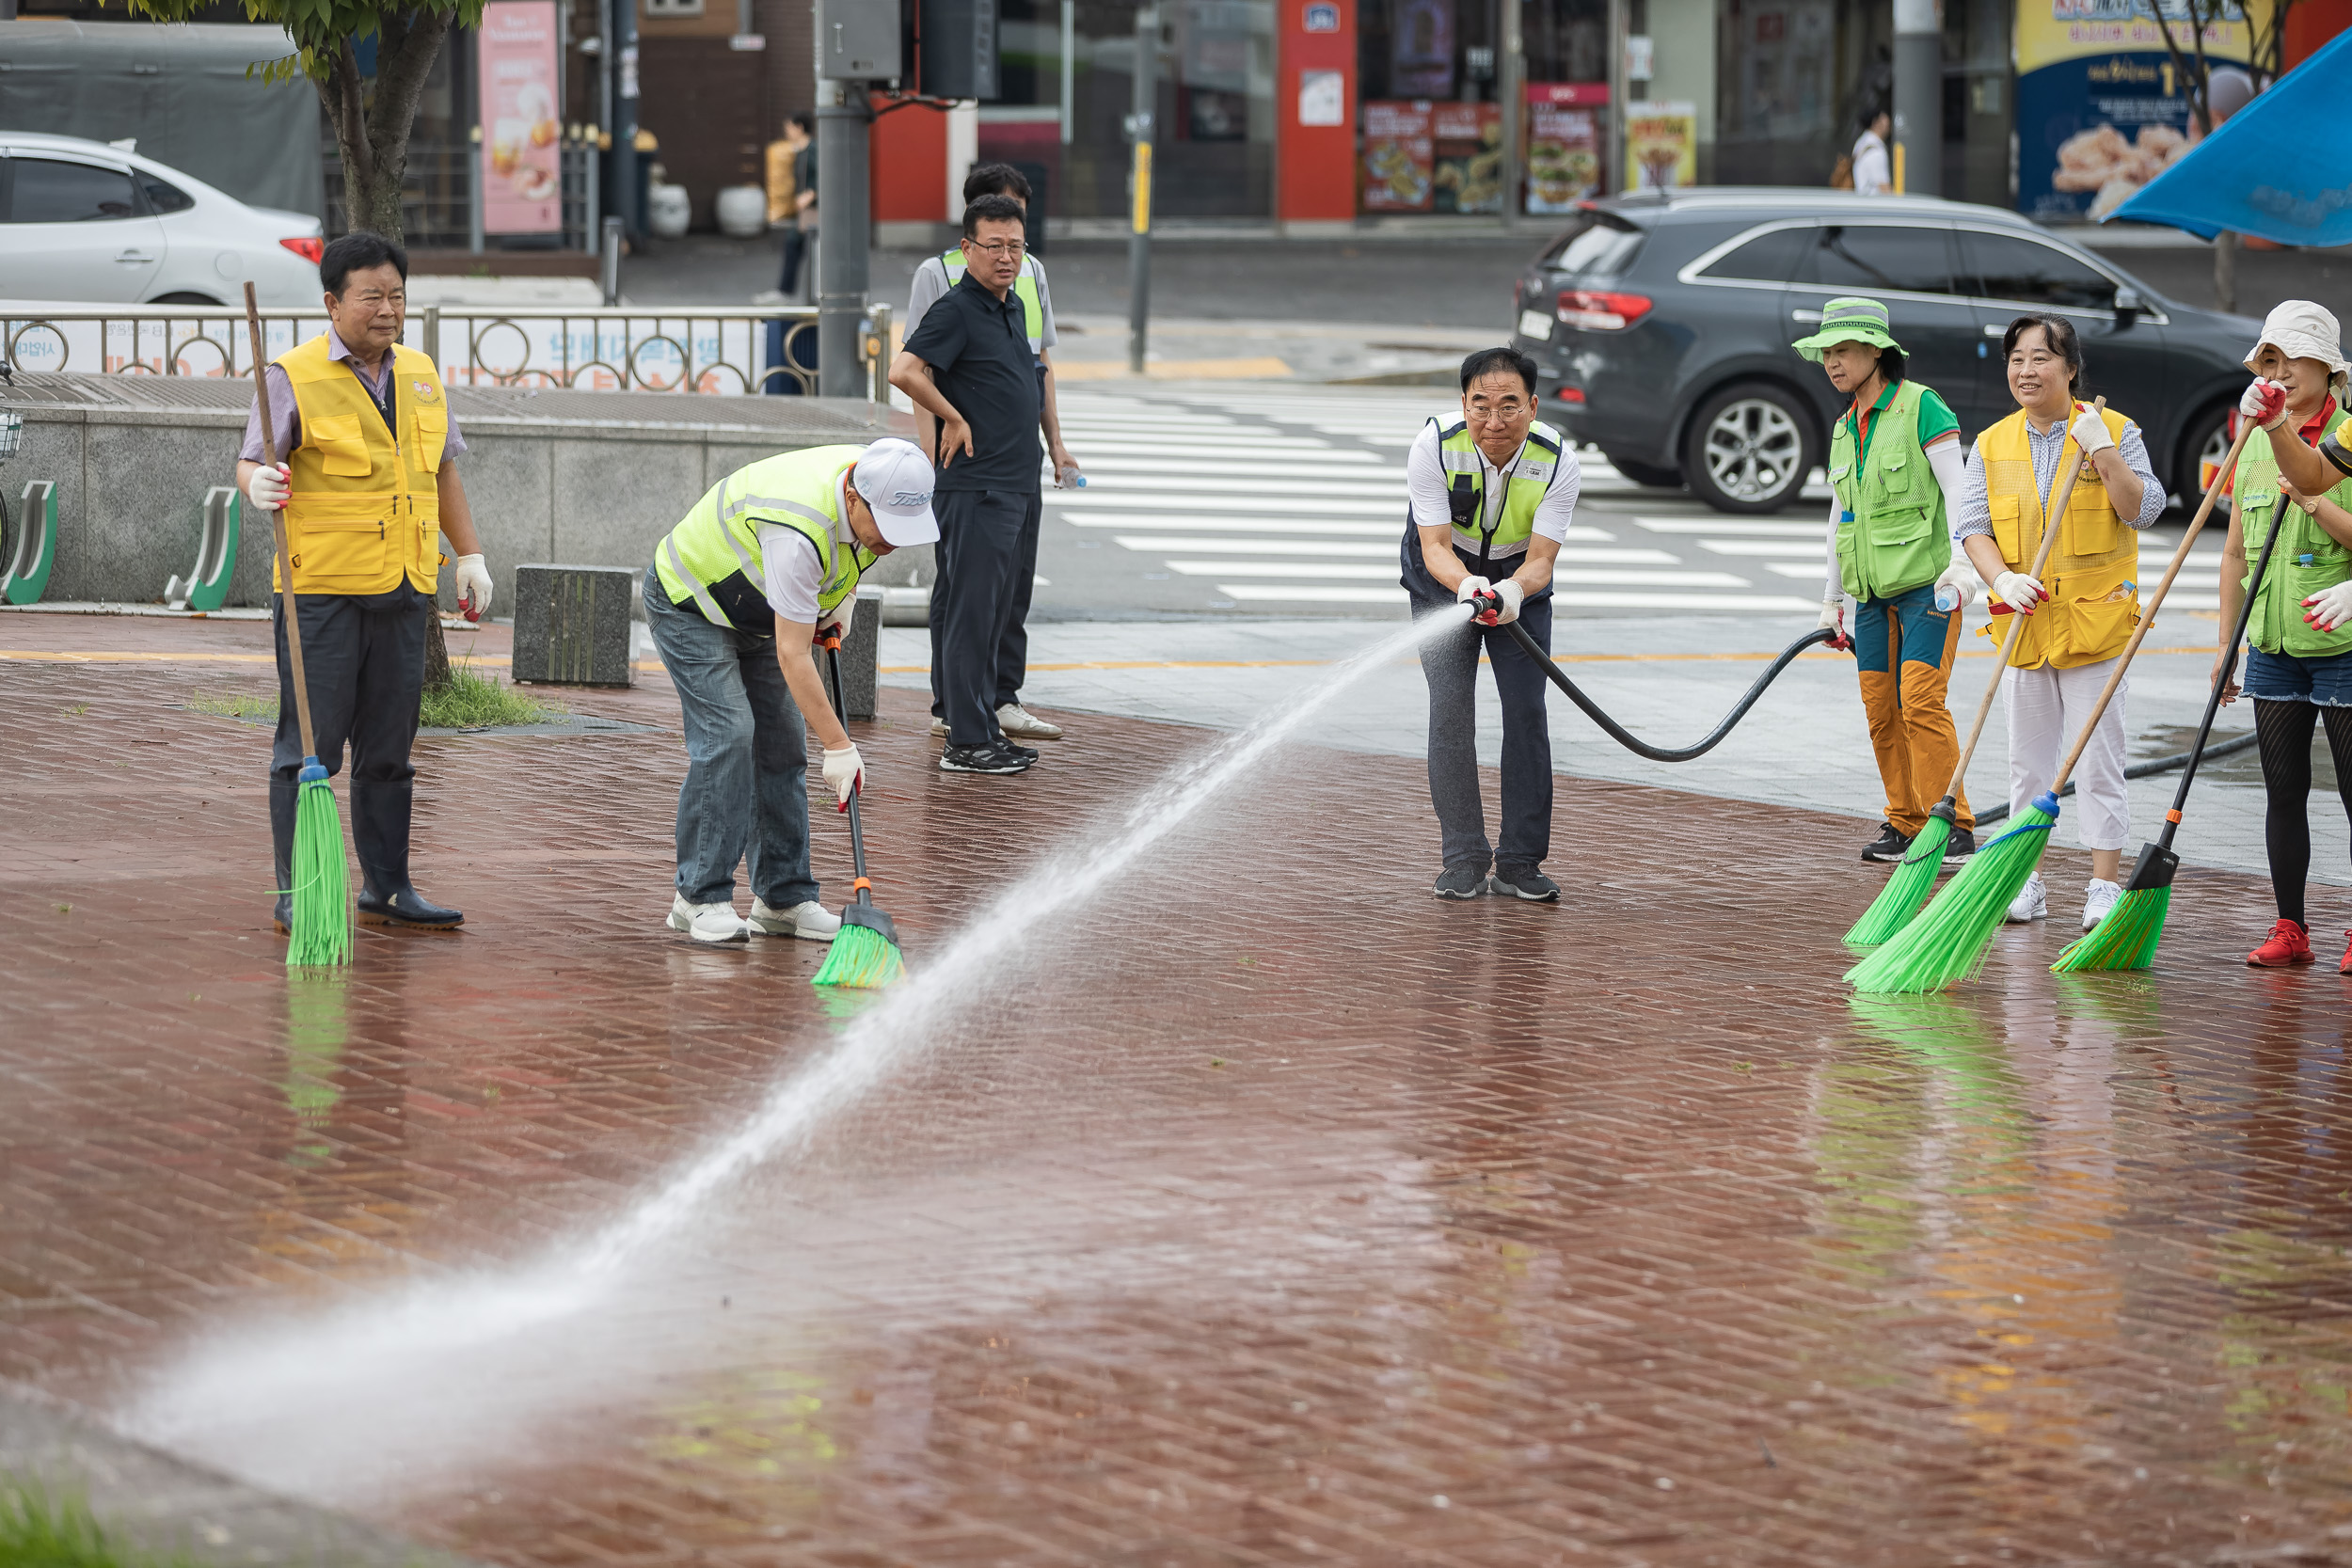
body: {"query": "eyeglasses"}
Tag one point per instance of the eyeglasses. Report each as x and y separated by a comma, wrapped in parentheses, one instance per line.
(998, 247)
(1506, 412)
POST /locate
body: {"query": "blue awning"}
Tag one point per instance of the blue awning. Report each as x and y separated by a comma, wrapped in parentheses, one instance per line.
(2280, 168)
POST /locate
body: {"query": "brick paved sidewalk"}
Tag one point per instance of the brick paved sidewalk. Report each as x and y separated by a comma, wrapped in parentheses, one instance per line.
(1269, 1212)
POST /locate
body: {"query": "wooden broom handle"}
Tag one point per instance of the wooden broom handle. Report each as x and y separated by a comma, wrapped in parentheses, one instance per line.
(2147, 616)
(2055, 507)
(277, 516)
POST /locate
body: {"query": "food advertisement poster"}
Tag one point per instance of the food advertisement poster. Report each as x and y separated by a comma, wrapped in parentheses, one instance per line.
(1564, 131)
(521, 173)
(2101, 110)
(1466, 139)
(1398, 158)
(1661, 145)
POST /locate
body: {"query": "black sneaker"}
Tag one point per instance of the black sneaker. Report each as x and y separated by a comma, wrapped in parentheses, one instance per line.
(1017, 748)
(994, 757)
(1962, 845)
(1461, 881)
(1888, 846)
(1525, 881)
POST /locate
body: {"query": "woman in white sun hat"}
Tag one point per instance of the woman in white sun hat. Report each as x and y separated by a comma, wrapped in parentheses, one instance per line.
(2299, 664)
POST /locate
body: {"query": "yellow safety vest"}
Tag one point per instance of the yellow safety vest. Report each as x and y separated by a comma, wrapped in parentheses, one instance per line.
(713, 558)
(364, 503)
(2092, 574)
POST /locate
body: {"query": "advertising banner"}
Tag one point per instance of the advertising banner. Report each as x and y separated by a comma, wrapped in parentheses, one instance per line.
(2101, 110)
(1661, 145)
(1397, 173)
(1468, 143)
(1564, 131)
(521, 160)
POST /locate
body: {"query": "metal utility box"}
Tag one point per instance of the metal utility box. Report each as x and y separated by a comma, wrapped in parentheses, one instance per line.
(857, 40)
(960, 48)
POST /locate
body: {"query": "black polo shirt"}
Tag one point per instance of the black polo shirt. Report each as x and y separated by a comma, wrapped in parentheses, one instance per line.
(977, 347)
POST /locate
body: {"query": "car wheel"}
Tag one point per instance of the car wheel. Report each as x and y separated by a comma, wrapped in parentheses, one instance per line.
(2205, 443)
(183, 299)
(1658, 475)
(1749, 449)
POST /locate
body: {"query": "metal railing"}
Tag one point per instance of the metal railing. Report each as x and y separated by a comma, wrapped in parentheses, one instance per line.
(592, 348)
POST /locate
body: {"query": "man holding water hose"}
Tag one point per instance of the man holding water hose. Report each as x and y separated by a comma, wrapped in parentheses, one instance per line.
(1491, 495)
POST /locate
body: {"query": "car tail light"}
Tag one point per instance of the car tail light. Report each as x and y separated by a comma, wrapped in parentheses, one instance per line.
(1571, 394)
(1597, 311)
(311, 248)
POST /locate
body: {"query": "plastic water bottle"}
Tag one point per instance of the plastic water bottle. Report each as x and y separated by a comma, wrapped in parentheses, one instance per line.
(1946, 598)
(1070, 479)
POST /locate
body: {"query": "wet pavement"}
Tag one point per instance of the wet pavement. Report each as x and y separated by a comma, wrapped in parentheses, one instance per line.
(1261, 1211)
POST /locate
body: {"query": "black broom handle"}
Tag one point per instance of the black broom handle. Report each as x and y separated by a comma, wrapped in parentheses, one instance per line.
(2228, 667)
(857, 830)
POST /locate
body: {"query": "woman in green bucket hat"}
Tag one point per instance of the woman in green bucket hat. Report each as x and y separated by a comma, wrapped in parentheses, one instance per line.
(1896, 465)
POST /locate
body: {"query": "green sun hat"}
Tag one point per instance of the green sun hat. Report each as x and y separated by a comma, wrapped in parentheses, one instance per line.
(1853, 320)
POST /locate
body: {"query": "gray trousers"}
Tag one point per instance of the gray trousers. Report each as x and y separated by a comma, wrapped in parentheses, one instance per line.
(1450, 662)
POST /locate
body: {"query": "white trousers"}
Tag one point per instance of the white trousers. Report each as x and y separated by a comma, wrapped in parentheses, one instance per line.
(2046, 710)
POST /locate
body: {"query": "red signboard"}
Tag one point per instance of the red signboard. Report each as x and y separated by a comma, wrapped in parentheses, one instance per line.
(521, 160)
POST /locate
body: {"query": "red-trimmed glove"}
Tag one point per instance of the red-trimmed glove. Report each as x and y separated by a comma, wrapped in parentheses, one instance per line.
(1834, 619)
(2264, 402)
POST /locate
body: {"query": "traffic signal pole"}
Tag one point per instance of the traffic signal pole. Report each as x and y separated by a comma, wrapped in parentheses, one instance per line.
(1918, 97)
(1139, 131)
(844, 232)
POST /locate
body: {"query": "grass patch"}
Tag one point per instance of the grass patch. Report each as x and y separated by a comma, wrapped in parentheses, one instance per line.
(234, 705)
(471, 701)
(40, 1531)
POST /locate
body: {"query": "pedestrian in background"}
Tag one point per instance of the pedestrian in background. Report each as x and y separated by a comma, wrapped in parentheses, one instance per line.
(2081, 612)
(782, 179)
(2298, 662)
(1490, 495)
(1873, 171)
(934, 278)
(1896, 472)
(969, 365)
(799, 233)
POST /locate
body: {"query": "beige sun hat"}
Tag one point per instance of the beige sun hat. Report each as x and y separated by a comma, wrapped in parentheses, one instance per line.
(2301, 329)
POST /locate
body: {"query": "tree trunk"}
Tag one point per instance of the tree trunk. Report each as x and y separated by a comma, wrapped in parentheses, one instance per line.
(2225, 271)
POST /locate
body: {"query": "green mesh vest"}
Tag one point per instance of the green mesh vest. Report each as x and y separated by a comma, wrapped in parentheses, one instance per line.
(1892, 533)
(2306, 560)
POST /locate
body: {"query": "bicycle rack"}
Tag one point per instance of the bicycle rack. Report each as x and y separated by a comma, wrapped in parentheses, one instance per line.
(36, 544)
(206, 586)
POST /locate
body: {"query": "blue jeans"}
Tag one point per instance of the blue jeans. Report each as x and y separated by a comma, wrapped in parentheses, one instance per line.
(746, 785)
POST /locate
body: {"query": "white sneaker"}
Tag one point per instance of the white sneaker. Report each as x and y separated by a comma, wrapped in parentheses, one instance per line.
(2102, 899)
(939, 729)
(1019, 724)
(715, 924)
(2031, 903)
(812, 920)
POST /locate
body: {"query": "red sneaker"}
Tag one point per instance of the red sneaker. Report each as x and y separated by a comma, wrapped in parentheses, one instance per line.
(2346, 967)
(2288, 943)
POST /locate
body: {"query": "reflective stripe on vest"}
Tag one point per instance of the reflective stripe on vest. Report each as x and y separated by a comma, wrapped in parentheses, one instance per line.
(1893, 535)
(364, 501)
(2306, 560)
(1023, 289)
(2091, 574)
(713, 555)
(1532, 474)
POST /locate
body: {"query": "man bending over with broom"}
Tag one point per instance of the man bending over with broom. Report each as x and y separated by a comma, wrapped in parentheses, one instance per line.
(766, 565)
(365, 468)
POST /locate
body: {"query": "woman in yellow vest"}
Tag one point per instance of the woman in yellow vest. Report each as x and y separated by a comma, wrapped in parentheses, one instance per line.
(1894, 467)
(2298, 669)
(365, 469)
(2080, 612)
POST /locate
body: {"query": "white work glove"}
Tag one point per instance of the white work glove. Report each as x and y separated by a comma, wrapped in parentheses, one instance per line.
(2264, 402)
(842, 768)
(835, 625)
(1471, 588)
(267, 488)
(1962, 576)
(1513, 596)
(473, 587)
(1833, 620)
(2090, 433)
(2329, 608)
(2020, 592)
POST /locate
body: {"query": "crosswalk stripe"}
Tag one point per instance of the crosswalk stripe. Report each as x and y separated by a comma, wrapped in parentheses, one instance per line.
(1187, 470)
(1167, 543)
(1813, 547)
(1761, 526)
(1386, 527)
(1347, 569)
(1251, 593)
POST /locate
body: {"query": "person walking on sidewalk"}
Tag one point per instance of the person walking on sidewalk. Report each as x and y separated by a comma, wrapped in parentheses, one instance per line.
(969, 366)
(1490, 499)
(1896, 471)
(2298, 666)
(1873, 171)
(366, 471)
(2082, 615)
(932, 279)
(766, 563)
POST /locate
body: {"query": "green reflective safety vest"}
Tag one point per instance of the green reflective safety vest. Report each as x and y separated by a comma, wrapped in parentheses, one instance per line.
(1892, 533)
(1531, 476)
(712, 557)
(2306, 560)
(1023, 289)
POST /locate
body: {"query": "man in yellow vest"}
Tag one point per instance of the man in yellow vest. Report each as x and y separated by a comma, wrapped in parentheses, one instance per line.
(365, 469)
(766, 563)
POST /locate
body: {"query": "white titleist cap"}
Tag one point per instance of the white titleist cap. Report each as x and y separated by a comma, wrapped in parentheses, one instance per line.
(895, 478)
(2302, 330)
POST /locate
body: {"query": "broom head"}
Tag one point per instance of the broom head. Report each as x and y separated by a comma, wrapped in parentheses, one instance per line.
(320, 931)
(1947, 944)
(1909, 887)
(866, 954)
(2127, 937)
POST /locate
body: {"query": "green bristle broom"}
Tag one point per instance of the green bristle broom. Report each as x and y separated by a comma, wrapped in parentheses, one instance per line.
(1947, 944)
(865, 953)
(319, 931)
(1915, 878)
(2128, 937)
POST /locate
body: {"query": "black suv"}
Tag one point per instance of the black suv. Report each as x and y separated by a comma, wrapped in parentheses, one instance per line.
(1662, 323)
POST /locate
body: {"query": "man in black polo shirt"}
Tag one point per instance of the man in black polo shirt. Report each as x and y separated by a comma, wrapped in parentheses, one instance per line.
(968, 365)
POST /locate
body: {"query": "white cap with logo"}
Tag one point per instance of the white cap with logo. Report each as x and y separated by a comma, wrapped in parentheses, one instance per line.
(896, 481)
